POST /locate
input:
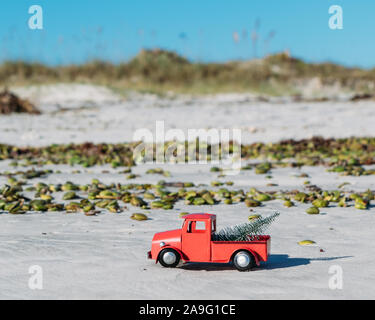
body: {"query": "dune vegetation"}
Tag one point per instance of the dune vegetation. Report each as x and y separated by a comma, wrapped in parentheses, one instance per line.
(161, 71)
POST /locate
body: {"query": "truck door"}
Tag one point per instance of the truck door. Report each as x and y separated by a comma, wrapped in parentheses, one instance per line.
(196, 240)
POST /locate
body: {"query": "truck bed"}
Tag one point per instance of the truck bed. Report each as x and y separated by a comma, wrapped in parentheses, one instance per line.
(221, 251)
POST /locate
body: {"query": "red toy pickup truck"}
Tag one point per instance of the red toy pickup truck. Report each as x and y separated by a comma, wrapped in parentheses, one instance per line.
(193, 243)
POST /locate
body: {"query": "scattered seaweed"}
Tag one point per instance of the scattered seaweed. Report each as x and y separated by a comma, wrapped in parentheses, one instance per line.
(115, 197)
(344, 156)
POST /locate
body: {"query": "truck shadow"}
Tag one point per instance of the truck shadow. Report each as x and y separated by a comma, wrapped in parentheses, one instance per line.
(280, 261)
(202, 266)
(275, 261)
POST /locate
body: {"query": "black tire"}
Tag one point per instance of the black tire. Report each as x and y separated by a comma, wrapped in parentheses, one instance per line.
(166, 258)
(244, 261)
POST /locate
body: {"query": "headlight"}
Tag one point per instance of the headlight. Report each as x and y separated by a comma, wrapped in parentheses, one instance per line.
(162, 244)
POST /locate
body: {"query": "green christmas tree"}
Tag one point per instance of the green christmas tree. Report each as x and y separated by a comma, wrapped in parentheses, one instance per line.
(245, 231)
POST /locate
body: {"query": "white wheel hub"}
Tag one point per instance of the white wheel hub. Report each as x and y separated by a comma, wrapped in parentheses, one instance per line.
(169, 257)
(243, 260)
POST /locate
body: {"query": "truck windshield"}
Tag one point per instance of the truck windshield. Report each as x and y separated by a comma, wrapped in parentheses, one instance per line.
(190, 226)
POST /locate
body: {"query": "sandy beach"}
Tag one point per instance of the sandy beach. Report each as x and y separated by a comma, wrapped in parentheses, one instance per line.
(104, 256)
(81, 113)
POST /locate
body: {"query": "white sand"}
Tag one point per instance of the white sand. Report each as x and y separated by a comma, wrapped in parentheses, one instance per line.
(80, 113)
(105, 256)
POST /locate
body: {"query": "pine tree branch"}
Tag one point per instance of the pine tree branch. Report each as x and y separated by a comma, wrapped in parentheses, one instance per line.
(245, 231)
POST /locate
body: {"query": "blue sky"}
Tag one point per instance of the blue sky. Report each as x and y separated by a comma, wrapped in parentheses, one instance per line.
(202, 30)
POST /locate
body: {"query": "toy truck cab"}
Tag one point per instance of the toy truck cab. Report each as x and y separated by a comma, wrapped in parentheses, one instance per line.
(194, 243)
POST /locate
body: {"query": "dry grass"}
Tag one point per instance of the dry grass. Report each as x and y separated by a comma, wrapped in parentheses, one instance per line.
(161, 71)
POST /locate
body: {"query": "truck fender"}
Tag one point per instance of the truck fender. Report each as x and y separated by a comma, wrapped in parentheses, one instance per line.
(255, 255)
(170, 247)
